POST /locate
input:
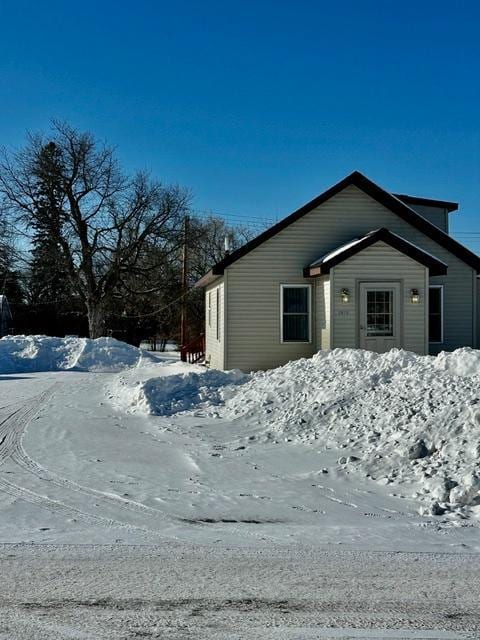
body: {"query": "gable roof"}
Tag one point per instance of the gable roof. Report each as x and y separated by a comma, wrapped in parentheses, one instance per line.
(323, 265)
(363, 183)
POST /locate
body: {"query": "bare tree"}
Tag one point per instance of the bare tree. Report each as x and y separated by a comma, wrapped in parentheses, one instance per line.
(207, 242)
(11, 280)
(103, 221)
(207, 247)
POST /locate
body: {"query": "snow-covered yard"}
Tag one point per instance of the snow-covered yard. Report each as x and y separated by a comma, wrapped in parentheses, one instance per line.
(346, 453)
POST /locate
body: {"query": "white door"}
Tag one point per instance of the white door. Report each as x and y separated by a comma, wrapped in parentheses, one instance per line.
(380, 316)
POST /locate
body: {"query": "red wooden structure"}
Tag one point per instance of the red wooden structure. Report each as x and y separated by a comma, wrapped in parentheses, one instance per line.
(194, 351)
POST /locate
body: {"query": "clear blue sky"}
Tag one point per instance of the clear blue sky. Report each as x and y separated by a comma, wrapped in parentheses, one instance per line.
(258, 106)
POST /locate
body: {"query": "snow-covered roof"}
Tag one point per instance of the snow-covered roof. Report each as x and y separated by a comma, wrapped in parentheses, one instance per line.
(336, 252)
(323, 264)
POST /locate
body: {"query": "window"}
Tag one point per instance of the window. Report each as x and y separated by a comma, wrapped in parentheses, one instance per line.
(209, 308)
(435, 313)
(217, 312)
(295, 302)
(379, 313)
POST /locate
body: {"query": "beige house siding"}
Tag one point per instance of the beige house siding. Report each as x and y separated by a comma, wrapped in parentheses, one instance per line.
(253, 319)
(215, 336)
(322, 315)
(379, 263)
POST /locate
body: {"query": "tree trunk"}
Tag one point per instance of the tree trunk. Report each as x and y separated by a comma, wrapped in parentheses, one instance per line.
(96, 320)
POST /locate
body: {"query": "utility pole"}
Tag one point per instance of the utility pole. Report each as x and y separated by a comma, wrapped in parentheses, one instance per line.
(183, 320)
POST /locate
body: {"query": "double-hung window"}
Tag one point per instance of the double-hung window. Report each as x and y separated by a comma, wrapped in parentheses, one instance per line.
(295, 312)
(435, 313)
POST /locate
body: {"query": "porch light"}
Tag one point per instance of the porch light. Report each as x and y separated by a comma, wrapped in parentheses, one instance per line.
(345, 295)
(414, 296)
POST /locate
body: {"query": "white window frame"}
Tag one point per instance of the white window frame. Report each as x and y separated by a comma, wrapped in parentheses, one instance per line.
(296, 286)
(209, 309)
(436, 286)
(217, 314)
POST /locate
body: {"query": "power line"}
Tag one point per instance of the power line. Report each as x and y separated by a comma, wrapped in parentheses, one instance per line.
(156, 311)
(229, 213)
(240, 218)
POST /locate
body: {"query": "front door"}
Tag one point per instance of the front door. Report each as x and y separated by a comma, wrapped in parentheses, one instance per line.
(380, 316)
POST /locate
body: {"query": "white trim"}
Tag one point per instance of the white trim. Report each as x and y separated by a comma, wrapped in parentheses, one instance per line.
(436, 286)
(217, 314)
(225, 319)
(209, 309)
(296, 286)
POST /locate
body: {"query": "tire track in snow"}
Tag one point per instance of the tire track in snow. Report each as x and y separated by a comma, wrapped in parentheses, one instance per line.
(12, 431)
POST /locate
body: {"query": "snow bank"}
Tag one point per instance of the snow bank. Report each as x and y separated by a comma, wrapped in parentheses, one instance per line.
(171, 394)
(409, 421)
(22, 354)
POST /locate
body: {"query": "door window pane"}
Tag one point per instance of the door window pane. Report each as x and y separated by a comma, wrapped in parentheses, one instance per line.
(295, 314)
(379, 313)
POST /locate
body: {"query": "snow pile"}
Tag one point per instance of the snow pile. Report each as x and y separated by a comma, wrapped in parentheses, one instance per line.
(402, 419)
(462, 362)
(23, 354)
(171, 394)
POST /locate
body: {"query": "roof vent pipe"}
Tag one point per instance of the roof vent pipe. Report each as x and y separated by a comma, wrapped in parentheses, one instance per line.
(228, 243)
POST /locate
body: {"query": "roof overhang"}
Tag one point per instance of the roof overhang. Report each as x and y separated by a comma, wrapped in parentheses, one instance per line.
(428, 202)
(208, 278)
(323, 265)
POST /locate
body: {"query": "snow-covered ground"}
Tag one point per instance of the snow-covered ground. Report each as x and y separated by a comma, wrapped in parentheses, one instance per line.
(406, 421)
(179, 592)
(345, 453)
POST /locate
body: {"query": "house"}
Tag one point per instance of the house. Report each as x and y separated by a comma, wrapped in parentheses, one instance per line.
(5, 316)
(356, 267)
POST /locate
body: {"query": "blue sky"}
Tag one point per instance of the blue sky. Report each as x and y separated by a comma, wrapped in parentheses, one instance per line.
(258, 106)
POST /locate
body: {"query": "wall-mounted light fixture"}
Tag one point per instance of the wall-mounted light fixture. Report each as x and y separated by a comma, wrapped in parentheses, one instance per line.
(345, 295)
(414, 296)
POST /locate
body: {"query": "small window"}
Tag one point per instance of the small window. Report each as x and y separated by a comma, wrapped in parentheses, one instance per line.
(209, 308)
(295, 313)
(435, 313)
(217, 312)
